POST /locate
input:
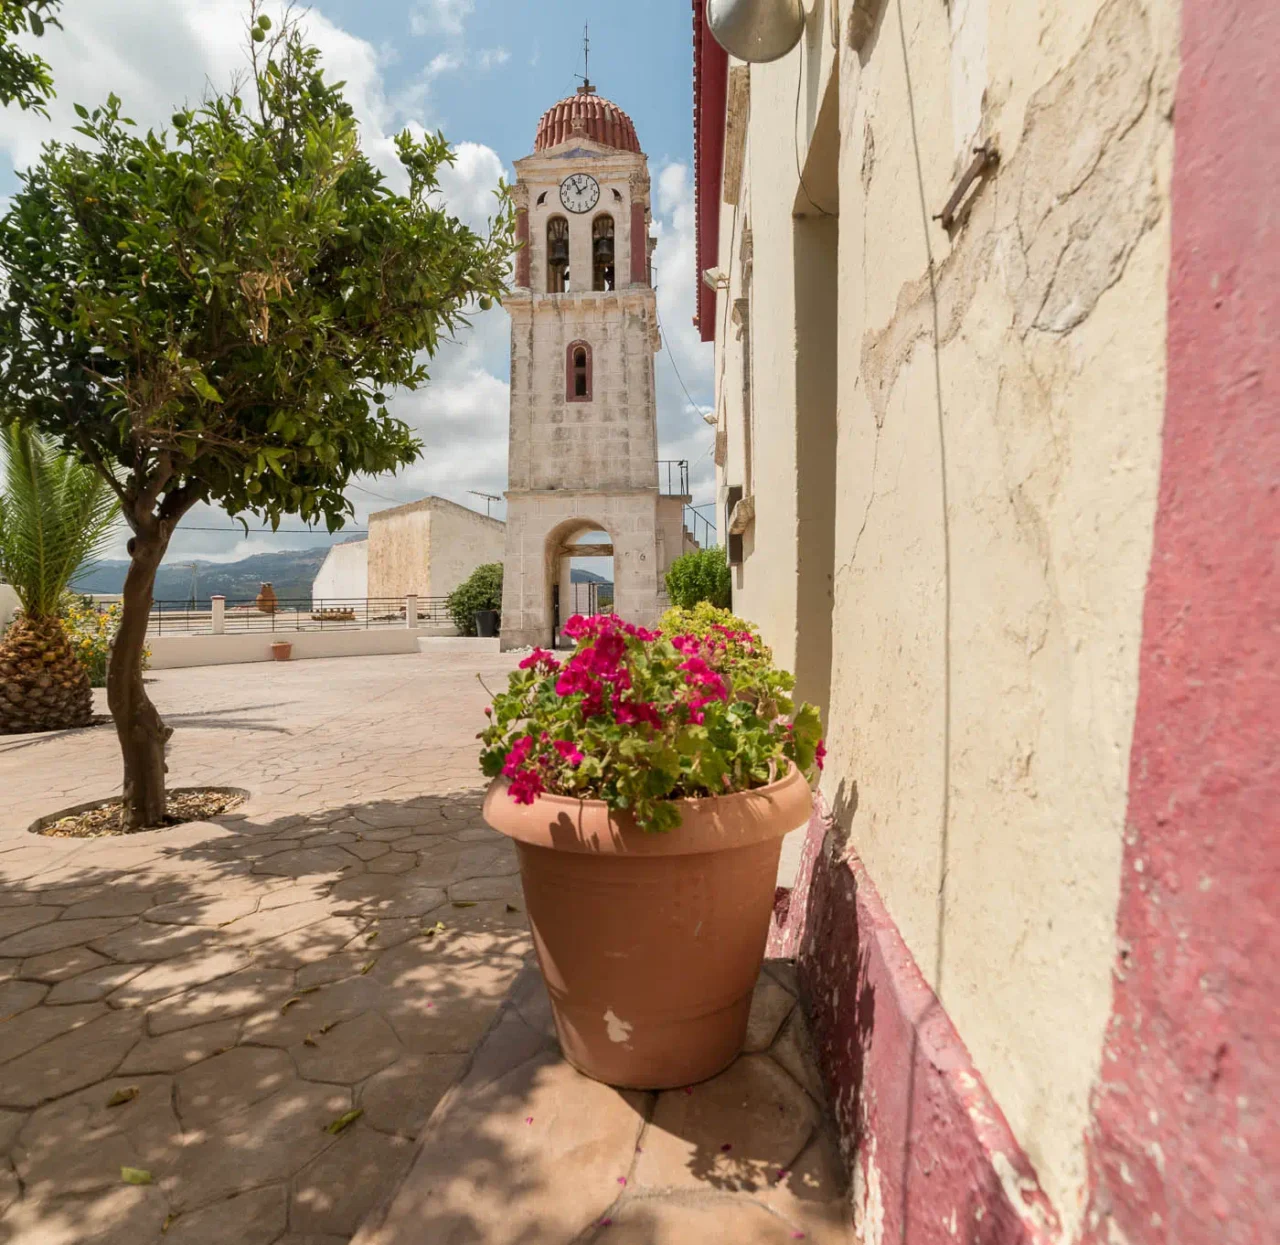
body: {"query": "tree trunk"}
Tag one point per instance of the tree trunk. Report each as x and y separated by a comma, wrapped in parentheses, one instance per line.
(142, 732)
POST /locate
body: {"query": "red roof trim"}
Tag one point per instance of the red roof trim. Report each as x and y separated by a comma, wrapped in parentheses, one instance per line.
(710, 89)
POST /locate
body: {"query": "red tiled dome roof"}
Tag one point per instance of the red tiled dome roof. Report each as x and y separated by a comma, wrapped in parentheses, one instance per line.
(601, 120)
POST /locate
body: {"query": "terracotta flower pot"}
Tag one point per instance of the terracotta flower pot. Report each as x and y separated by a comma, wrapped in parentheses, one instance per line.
(650, 944)
(281, 650)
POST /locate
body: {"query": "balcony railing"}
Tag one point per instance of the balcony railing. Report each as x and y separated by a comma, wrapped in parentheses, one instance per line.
(238, 617)
(673, 477)
(702, 529)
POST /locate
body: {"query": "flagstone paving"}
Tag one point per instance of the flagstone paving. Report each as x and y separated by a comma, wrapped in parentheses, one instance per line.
(525, 1149)
(211, 1006)
(238, 987)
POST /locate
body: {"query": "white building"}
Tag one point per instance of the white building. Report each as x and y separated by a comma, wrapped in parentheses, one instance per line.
(425, 547)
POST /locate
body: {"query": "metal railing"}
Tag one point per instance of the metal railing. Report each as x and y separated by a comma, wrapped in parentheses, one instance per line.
(702, 529)
(673, 477)
(592, 599)
(240, 617)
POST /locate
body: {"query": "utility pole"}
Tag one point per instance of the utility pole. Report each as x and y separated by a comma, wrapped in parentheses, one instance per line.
(194, 568)
(488, 499)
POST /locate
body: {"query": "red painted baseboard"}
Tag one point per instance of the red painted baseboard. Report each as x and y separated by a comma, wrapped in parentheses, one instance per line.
(931, 1159)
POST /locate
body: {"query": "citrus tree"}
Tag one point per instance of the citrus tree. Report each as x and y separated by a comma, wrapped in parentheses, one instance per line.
(24, 78)
(215, 313)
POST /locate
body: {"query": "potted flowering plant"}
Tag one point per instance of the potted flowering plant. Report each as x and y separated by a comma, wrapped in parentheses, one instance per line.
(648, 781)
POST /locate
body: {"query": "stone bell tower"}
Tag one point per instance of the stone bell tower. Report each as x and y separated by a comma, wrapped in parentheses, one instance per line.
(583, 448)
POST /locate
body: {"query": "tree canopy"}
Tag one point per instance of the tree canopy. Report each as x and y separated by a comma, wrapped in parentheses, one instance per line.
(25, 79)
(217, 313)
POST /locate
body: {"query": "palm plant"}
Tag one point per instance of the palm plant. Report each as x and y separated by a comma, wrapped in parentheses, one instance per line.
(56, 515)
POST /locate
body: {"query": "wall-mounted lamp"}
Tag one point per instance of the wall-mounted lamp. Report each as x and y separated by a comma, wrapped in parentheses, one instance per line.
(715, 279)
(756, 30)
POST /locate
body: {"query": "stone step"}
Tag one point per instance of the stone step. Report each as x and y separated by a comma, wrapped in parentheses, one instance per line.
(525, 1149)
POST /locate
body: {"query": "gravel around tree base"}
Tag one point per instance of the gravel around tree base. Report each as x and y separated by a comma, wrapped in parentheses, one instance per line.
(183, 806)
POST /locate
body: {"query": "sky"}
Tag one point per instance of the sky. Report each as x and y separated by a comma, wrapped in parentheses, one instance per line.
(481, 71)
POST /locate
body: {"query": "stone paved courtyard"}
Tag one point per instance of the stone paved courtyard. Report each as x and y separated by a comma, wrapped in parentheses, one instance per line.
(257, 979)
(238, 988)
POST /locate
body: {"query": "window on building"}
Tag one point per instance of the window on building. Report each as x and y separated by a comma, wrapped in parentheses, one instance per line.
(602, 252)
(557, 255)
(578, 373)
(733, 541)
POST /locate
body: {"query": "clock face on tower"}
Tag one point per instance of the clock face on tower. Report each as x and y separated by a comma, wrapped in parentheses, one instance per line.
(579, 192)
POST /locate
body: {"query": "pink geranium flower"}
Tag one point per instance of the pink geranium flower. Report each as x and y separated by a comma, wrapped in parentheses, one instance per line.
(569, 752)
(517, 756)
(526, 786)
(540, 659)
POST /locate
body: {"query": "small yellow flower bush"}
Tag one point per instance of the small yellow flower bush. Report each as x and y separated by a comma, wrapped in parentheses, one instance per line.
(91, 628)
(704, 618)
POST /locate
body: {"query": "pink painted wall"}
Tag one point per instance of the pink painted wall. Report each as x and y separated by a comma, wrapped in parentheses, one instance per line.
(1185, 1146)
(639, 246)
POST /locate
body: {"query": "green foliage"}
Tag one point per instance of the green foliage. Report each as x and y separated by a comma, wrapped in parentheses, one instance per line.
(56, 517)
(91, 630)
(639, 719)
(481, 590)
(24, 77)
(216, 314)
(704, 619)
(702, 575)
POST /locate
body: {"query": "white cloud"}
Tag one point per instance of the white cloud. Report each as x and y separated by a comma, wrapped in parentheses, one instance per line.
(446, 17)
(443, 62)
(681, 430)
(490, 58)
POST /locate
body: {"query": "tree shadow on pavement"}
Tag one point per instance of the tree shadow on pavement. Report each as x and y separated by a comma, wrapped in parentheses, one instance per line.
(211, 1005)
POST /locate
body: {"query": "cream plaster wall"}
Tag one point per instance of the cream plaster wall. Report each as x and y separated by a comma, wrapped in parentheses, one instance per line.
(400, 550)
(461, 540)
(8, 605)
(172, 652)
(984, 653)
(344, 573)
(429, 547)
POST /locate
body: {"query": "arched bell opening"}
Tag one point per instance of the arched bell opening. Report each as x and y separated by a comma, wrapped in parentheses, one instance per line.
(557, 255)
(602, 252)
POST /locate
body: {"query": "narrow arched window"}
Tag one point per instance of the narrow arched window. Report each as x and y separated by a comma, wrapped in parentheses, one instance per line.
(578, 373)
(557, 255)
(602, 252)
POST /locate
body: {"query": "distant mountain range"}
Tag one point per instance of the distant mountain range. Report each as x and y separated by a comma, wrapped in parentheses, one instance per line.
(289, 572)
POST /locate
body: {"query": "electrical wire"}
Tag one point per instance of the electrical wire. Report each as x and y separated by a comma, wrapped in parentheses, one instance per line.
(666, 349)
(395, 501)
(795, 136)
(279, 531)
